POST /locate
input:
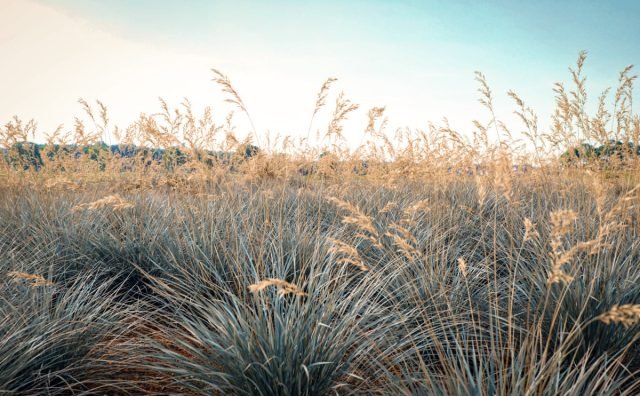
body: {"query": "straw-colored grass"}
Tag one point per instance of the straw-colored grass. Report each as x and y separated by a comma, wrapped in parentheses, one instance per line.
(191, 258)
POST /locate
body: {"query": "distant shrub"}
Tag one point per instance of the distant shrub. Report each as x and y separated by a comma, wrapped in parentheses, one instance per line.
(602, 154)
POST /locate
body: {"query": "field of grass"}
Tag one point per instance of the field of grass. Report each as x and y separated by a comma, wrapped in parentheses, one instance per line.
(423, 263)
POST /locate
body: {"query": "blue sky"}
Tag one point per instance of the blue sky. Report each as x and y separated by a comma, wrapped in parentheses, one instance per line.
(412, 33)
(416, 57)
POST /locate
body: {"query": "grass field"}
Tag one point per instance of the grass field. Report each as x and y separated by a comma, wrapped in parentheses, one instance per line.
(425, 262)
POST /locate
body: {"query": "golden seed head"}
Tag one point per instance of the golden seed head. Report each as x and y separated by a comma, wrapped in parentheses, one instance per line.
(627, 315)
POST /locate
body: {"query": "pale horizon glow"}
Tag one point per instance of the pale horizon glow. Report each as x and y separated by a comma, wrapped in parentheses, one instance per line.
(415, 58)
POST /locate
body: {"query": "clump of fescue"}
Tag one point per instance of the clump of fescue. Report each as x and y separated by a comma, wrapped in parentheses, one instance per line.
(562, 223)
(53, 340)
(415, 290)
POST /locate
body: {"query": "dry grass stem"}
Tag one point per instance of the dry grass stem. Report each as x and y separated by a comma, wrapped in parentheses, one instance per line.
(115, 202)
(627, 315)
(530, 231)
(283, 287)
(350, 254)
(33, 279)
(462, 266)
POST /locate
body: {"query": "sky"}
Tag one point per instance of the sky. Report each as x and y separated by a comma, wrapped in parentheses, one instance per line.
(417, 58)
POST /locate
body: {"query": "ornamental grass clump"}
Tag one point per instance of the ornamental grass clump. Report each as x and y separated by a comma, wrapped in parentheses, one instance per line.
(192, 258)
